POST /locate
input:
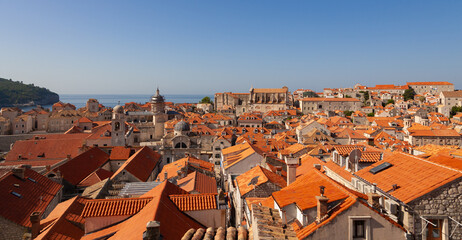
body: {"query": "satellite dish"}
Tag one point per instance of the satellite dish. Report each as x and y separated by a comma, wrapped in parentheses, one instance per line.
(354, 157)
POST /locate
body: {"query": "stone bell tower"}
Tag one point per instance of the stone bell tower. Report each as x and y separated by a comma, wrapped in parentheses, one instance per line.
(118, 126)
(159, 115)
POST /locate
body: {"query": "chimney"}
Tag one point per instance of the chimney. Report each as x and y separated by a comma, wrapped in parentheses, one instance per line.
(291, 163)
(35, 220)
(278, 170)
(373, 198)
(152, 231)
(317, 166)
(19, 172)
(322, 205)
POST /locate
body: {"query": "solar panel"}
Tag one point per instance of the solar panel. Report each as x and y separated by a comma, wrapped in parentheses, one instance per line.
(380, 167)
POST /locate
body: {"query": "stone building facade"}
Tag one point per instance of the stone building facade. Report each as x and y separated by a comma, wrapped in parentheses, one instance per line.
(309, 105)
(434, 88)
(442, 207)
(258, 99)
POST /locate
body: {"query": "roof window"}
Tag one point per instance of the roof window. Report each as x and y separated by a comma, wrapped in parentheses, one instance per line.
(16, 194)
(32, 180)
(380, 167)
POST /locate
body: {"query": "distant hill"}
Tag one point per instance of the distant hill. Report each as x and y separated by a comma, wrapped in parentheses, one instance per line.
(14, 93)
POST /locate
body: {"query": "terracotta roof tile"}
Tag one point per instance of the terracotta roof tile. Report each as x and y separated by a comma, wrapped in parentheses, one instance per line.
(35, 194)
(262, 175)
(114, 207)
(52, 146)
(429, 83)
(414, 176)
(198, 182)
(120, 153)
(195, 202)
(173, 168)
(79, 167)
(65, 221)
(303, 190)
(330, 100)
(141, 164)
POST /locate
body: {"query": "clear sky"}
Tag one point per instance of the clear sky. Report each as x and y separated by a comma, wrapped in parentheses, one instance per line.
(202, 47)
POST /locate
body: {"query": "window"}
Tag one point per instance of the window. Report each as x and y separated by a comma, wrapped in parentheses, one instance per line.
(358, 228)
(217, 156)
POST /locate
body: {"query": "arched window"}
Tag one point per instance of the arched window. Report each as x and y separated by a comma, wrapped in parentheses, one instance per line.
(117, 126)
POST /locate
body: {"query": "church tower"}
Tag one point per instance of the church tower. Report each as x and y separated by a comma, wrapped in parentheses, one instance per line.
(159, 115)
(118, 126)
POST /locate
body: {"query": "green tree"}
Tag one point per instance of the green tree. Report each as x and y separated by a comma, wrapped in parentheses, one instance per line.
(205, 100)
(371, 114)
(348, 113)
(409, 94)
(310, 94)
(347, 96)
(455, 110)
(390, 101)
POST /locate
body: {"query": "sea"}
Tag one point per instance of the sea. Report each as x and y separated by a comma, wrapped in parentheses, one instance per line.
(111, 100)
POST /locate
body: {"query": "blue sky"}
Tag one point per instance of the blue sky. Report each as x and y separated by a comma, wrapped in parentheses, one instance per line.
(202, 47)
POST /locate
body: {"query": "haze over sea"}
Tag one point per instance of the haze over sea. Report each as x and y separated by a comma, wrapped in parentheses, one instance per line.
(111, 100)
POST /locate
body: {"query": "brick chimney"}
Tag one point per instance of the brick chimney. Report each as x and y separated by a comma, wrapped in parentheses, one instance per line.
(152, 231)
(317, 166)
(19, 172)
(373, 198)
(291, 163)
(322, 205)
(35, 220)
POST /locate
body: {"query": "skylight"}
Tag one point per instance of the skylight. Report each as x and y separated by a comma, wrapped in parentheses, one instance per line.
(16, 194)
(32, 180)
(380, 167)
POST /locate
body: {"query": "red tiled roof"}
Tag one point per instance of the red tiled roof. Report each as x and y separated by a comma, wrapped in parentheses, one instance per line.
(413, 176)
(174, 223)
(303, 190)
(52, 146)
(65, 221)
(114, 207)
(198, 182)
(330, 100)
(36, 193)
(173, 168)
(244, 181)
(95, 177)
(120, 153)
(307, 164)
(78, 168)
(141, 164)
(195, 202)
(429, 83)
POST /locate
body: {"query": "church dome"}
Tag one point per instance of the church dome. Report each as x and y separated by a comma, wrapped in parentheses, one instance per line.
(157, 98)
(181, 126)
(118, 109)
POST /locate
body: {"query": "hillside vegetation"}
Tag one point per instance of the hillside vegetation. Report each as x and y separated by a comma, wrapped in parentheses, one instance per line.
(15, 93)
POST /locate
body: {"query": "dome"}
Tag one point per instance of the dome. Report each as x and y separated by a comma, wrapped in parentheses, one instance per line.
(118, 109)
(181, 126)
(157, 98)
